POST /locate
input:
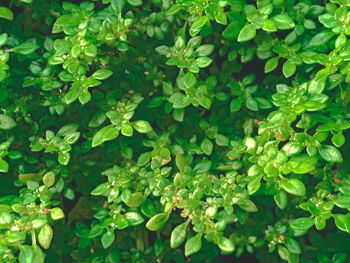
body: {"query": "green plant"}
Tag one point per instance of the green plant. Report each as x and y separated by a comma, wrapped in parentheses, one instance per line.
(174, 131)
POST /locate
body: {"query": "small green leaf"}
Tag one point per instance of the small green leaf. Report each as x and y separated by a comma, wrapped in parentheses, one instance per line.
(178, 235)
(293, 245)
(247, 33)
(101, 189)
(157, 222)
(281, 199)
(135, 2)
(247, 205)
(107, 239)
(45, 236)
(90, 50)
(207, 146)
(205, 50)
(6, 122)
(6, 13)
(338, 140)
(235, 105)
(302, 224)
(4, 166)
(26, 48)
(142, 126)
(71, 95)
(193, 245)
(57, 213)
(342, 221)
(135, 200)
(102, 74)
(330, 154)
(293, 186)
(189, 80)
(321, 38)
(271, 64)
(26, 254)
(114, 255)
(134, 218)
(254, 185)
(118, 5)
(226, 245)
(283, 21)
(38, 256)
(288, 69)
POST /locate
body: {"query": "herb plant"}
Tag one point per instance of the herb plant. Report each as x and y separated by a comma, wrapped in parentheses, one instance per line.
(174, 131)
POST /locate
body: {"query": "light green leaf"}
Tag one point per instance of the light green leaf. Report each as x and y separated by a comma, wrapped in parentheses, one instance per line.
(247, 33)
(178, 235)
(6, 122)
(142, 126)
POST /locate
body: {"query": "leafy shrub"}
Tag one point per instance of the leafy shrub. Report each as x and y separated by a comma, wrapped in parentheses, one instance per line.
(174, 131)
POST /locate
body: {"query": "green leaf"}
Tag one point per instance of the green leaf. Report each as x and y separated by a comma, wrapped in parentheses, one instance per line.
(63, 158)
(90, 50)
(26, 48)
(343, 202)
(6, 13)
(293, 186)
(142, 126)
(281, 199)
(38, 254)
(221, 140)
(330, 154)
(4, 166)
(71, 95)
(338, 140)
(288, 69)
(271, 64)
(342, 221)
(57, 213)
(102, 74)
(134, 218)
(179, 100)
(101, 189)
(6, 122)
(144, 158)
(114, 255)
(247, 33)
(135, 2)
(157, 222)
(189, 80)
(235, 105)
(254, 185)
(321, 38)
(127, 130)
(247, 205)
(226, 245)
(178, 235)
(135, 200)
(26, 254)
(251, 104)
(283, 21)
(45, 236)
(107, 239)
(118, 5)
(193, 245)
(231, 32)
(302, 224)
(205, 50)
(207, 146)
(105, 134)
(293, 245)
(3, 41)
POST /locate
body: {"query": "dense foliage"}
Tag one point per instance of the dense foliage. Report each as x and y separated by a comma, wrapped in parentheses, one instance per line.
(174, 131)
